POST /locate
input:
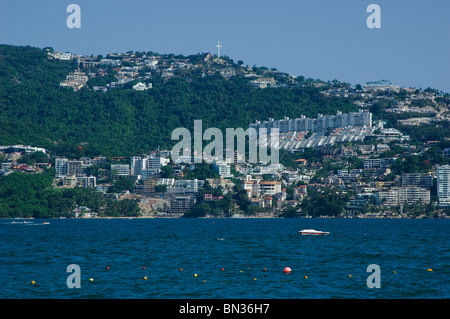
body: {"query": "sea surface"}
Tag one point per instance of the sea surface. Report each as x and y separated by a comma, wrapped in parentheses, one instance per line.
(224, 258)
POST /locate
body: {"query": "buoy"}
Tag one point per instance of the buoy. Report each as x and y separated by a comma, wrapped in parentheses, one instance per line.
(306, 277)
(145, 278)
(181, 269)
(254, 278)
(394, 272)
(241, 271)
(107, 267)
(91, 279)
(33, 282)
(429, 269)
(265, 269)
(287, 269)
(221, 269)
(195, 275)
(204, 280)
(143, 267)
(349, 275)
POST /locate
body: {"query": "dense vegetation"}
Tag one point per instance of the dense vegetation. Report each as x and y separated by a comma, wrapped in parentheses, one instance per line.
(35, 110)
(32, 195)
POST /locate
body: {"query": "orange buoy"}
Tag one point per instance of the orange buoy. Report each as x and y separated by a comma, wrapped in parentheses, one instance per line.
(287, 269)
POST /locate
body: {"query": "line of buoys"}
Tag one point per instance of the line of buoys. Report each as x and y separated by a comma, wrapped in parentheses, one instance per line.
(286, 270)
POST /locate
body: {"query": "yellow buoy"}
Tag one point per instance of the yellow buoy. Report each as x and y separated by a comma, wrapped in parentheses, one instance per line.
(254, 278)
(145, 278)
(349, 275)
(195, 275)
(394, 272)
(204, 280)
(429, 269)
(306, 277)
(91, 279)
(33, 282)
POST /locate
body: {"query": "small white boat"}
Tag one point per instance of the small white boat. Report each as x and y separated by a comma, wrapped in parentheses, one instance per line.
(312, 232)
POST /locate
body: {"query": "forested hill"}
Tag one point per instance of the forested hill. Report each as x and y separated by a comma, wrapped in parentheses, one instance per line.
(35, 110)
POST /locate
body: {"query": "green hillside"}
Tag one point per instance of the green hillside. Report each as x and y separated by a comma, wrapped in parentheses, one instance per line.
(35, 110)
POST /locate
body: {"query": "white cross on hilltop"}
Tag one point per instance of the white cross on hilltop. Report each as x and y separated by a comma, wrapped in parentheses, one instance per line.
(218, 46)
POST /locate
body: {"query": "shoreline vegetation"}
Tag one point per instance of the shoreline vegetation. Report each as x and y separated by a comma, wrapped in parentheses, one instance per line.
(236, 216)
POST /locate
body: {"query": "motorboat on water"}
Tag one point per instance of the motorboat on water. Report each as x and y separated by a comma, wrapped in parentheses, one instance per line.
(312, 232)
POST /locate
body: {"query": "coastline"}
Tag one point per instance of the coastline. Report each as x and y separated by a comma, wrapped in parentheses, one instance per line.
(236, 216)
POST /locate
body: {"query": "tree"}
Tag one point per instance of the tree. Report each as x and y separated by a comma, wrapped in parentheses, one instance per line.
(123, 184)
(200, 210)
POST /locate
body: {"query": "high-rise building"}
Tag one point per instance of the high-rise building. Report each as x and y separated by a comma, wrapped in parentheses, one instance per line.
(222, 168)
(443, 185)
(121, 169)
(403, 195)
(417, 179)
(154, 163)
(89, 181)
(180, 204)
(138, 164)
(61, 167)
(75, 168)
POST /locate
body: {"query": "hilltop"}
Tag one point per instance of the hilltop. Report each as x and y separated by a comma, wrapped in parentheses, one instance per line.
(129, 103)
(38, 109)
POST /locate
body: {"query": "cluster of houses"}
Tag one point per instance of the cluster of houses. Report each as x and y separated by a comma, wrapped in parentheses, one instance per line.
(265, 185)
(141, 67)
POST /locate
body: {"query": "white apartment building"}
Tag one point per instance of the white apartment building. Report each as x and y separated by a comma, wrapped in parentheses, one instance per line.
(61, 167)
(138, 164)
(443, 185)
(222, 168)
(404, 196)
(321, 123)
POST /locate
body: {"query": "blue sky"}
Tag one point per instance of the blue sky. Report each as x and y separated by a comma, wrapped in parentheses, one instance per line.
(321, 39)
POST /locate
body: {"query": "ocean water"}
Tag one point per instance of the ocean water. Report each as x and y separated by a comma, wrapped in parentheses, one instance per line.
(232, 258)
